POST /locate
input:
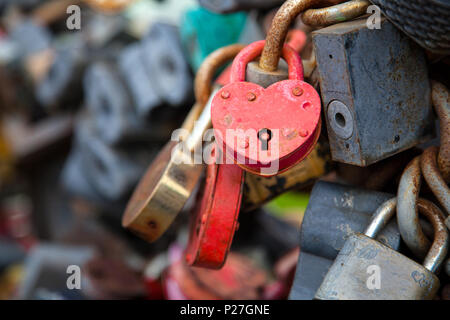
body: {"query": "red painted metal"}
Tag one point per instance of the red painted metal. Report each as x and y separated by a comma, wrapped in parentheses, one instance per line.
(239, 279)
(214, 220)
(290, 109)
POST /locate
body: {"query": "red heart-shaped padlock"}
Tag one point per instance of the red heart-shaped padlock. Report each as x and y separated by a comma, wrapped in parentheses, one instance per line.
(266, 131)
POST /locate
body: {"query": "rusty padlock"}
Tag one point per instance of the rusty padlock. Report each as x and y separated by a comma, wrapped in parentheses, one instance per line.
(214, 219)
(172, 177)
(243, 112)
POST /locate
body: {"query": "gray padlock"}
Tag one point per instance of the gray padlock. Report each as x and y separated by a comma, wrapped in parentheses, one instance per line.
(140, 84)
(365, 269)
(335, 212)
(165, 62)
(375, 91)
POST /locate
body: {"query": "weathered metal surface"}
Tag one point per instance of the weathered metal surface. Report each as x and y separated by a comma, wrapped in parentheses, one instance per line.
(247, 107)
(171, 178)
(439, 248)
(214, 220)
(266, 78)
(407, 209)
(335, 14)
(111, 171)
(280, 27)
(335, 212)
(375, 89)
(402, 278)
(109, 6)
(425, 21)
(255, 74)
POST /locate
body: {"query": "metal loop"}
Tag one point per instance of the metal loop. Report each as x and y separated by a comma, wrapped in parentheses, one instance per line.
(439, 248)
(435, 256)
(434, 178)
(407, 210)
(205, 75)
(381, 218)
(253, 50)
(280, 25)
(109, 6)
(335, 14)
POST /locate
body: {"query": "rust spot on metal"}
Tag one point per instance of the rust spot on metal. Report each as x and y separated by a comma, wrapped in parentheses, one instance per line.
(209, 67)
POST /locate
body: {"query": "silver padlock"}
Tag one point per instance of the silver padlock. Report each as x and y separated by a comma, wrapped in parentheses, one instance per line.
(365, 269)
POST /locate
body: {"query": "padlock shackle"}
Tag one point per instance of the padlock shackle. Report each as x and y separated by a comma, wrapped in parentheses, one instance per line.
(439, 248)
(381, 218)
(254, 50)
(205, 74)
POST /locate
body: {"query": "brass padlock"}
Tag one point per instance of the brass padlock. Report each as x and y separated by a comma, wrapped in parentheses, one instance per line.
(258, 190)
(395, 277)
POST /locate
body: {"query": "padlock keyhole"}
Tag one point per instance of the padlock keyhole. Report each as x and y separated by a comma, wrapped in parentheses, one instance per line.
(265, 135)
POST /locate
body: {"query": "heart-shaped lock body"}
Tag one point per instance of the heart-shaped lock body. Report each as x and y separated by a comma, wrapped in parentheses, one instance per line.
(266, 131)
(214, 220)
